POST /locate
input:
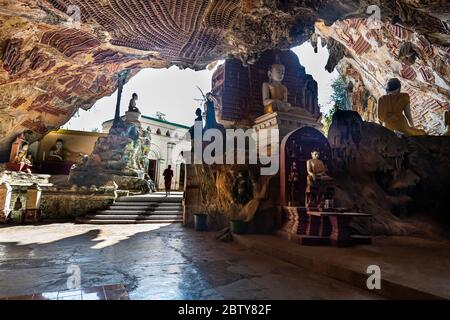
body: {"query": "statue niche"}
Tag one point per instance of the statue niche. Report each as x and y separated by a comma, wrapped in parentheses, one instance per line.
(19, 159)
(276, 82)
(319, 185)
(302, 174)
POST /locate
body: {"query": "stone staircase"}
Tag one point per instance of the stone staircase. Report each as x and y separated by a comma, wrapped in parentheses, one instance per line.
(149, 208)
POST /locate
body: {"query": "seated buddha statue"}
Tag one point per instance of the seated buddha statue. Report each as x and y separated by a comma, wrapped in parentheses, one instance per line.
(57, 152)
(132, 105)
(23, 159)
(317, 173)
(394, 110)
(275, 94)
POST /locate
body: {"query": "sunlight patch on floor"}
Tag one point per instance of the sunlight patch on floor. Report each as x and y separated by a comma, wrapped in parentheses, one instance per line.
(107, 234)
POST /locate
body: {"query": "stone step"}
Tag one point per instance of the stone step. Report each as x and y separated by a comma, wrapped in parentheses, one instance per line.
(146, 208)
(130, 221)
(152, 208)
(134, 217)
(139, 212)
(138, 205)
(148, 203)
(150, 199)
(172, 193)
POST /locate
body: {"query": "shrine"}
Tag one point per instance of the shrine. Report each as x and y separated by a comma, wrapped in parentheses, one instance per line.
(309, 214)
(241, 90)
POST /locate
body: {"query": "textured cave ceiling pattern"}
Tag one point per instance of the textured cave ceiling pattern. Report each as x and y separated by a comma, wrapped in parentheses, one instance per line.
(50, 66)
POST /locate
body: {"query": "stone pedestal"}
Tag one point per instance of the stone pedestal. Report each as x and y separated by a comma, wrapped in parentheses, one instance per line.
(193, 196)
(133, 117)
(5, 201)
(118, 157)
(32, 208)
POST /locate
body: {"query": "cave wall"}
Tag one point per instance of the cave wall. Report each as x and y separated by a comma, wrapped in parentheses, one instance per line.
(402, 181)
(57, 56)
(224, 195)
(367, 57)
(51, 65)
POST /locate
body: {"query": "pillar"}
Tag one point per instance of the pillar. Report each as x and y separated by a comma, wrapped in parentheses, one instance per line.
(5, 201)
(34, 193)
(192, 196)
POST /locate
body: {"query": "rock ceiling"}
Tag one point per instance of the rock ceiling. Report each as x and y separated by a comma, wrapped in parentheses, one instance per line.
(61, 55)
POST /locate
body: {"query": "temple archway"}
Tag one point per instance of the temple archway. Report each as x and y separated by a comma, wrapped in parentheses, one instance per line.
(296, 148)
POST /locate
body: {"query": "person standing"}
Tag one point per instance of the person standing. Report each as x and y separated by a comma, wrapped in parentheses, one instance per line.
(168, 175)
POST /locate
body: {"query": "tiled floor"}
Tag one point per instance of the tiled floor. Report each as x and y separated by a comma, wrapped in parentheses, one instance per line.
(111, 292)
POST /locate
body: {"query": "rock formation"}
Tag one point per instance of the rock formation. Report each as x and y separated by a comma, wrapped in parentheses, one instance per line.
(402, 181)
(119, 157)
(221, 198)
(61, 55)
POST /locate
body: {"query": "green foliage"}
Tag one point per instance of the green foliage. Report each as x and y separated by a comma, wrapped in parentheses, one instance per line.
(338, 98)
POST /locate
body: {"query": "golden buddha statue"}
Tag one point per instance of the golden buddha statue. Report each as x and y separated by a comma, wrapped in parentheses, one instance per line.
(394, 110)
(275, 94)
(317, 172)
(23, 159)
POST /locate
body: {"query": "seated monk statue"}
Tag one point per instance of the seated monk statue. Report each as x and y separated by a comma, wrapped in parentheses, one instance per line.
(317, 172)
(57, 151)
(132, 106)
(275, 94)
(394, 110)
(23, 160)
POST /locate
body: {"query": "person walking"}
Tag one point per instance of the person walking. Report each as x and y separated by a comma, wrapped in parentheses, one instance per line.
(168, 175)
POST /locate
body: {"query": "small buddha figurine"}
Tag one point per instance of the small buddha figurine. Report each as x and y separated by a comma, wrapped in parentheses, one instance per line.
(394, 110)
(132, 105)
(23, 159)
(57, 151)
(292, 179)
(275, 94)
(317, 171)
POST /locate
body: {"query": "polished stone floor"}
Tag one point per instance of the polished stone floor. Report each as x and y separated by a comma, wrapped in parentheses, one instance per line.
(152, 261)
(109, 292)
